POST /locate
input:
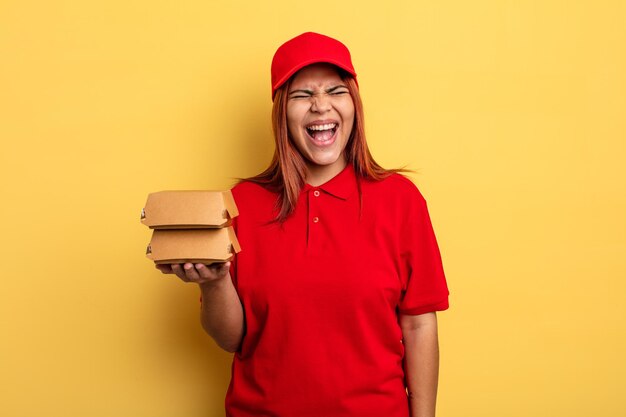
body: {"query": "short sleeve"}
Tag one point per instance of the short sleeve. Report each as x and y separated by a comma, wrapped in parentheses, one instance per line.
(424, 286)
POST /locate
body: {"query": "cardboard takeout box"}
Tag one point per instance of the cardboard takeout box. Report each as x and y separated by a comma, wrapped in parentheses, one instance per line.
(204, 246)
(189, 209)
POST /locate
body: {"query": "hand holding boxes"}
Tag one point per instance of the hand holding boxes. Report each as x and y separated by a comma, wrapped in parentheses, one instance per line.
(191, 226)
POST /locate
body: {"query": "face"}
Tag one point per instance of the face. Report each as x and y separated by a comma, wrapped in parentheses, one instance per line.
(320, 116)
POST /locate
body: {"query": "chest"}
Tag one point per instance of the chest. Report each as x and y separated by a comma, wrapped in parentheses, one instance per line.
(330, 254)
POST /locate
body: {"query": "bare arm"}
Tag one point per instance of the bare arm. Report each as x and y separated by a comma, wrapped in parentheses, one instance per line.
(421, 362)
(221, 313)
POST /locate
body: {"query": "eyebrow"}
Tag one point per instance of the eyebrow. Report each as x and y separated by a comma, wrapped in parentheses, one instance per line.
(329, 90)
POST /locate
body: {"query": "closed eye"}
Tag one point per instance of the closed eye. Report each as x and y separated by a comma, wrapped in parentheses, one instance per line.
(300, 93)
(337, 90)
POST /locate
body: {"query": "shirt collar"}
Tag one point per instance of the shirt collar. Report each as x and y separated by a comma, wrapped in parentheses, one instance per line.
(342, 185)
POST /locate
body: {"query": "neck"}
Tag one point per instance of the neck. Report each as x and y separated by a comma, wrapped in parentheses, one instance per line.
(320, 174)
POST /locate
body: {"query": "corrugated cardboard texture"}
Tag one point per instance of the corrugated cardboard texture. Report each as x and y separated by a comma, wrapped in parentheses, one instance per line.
(193, 245)
(189, 209)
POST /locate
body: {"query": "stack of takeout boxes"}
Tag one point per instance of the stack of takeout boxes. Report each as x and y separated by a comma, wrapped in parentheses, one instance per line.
(191, 226)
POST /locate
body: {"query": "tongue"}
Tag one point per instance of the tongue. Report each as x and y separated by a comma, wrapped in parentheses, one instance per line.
(322, 135)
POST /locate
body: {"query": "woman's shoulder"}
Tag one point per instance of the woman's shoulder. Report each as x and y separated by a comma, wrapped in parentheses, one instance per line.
(395, 198)
(396, 187)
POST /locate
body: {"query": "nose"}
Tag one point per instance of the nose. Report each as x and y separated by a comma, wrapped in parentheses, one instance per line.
(321, 103)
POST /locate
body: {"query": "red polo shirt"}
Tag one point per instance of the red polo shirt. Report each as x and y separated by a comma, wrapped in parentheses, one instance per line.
(321, 295)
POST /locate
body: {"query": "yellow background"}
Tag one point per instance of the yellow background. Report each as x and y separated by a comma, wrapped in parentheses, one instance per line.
(513, 113)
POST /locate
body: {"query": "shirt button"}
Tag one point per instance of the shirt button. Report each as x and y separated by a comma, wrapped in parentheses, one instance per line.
(316, 219)
(316, 193)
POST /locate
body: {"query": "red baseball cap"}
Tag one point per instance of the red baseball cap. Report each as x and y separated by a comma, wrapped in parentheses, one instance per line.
(306, 49)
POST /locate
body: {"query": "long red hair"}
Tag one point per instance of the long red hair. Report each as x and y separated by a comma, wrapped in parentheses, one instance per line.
(286, 174)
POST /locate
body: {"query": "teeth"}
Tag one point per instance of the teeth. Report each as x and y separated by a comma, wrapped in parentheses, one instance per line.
(322, 127)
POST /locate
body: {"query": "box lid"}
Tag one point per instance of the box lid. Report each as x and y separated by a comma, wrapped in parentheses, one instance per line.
(193, 245)
(189, 209)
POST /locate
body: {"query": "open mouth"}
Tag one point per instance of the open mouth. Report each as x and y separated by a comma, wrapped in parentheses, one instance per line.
(322, 133)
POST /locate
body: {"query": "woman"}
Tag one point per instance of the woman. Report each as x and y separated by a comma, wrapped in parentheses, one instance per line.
(330, 306)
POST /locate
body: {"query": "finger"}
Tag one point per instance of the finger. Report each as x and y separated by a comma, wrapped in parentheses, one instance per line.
(190, 271)
(225, 268)
(214, 270)
(205, 272)
(180, 273)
